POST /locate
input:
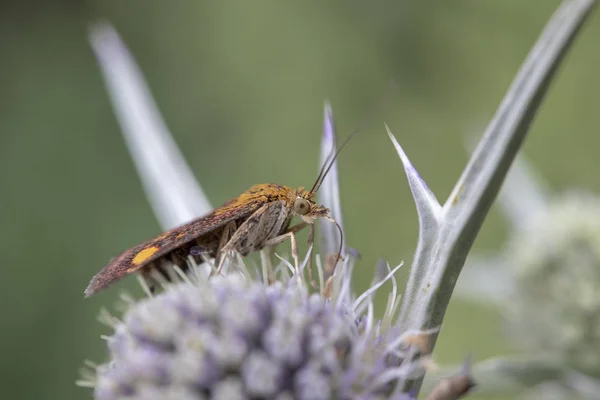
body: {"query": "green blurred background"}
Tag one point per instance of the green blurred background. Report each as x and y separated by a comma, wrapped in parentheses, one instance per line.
(241, 86)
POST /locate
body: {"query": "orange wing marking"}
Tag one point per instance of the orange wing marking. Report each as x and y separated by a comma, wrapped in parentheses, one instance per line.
(144, 255)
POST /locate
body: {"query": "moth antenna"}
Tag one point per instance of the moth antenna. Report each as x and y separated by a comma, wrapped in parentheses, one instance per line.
(320, 177)
(333, 155)
(329, 162)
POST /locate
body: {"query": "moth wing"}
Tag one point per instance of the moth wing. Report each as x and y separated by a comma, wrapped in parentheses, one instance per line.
(264, 223)
(145, 253)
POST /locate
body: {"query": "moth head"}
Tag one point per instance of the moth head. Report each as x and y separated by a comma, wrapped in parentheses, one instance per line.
(306, 208)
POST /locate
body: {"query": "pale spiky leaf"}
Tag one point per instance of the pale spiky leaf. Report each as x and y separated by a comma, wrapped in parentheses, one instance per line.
(174, 194)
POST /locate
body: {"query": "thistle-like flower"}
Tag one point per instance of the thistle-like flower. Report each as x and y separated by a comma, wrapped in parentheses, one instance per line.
(556, 263)
(231, 337)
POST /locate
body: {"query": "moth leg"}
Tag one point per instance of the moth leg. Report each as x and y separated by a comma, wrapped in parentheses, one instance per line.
(311, 241)
(222, 258)
(295, 228)
(290, 234)
(253, 233)
(220, 255)
(282, 238)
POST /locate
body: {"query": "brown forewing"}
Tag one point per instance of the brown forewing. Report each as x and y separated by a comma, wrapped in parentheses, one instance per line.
(146, 253)
(165, 243)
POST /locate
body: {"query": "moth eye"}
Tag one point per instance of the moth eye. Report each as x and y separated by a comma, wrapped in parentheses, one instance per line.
(301, 206)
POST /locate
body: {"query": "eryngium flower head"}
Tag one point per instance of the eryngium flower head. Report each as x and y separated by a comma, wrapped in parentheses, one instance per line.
(230, 337)
(556, 262)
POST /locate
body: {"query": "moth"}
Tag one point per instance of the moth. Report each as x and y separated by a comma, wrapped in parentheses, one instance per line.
(259, 217)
